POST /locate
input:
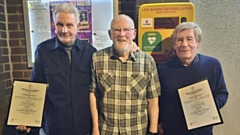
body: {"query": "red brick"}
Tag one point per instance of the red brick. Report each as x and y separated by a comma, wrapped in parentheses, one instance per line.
(15, 18)
(2, 101)
(12, 26)
(7, 67)
(20, 9)
(27, 74)
(4, 76)
(12, 9)
(14, 42)
(2, 9)
(5, 51)
(21, 26)
(19, 50)
(3, 26)
(24, 58)
(13, 2)
(8, 97)
(19, 66)
(2, 2)
(8, 83)
(23, 42)
(2, 85)
(2, 17)
(1, 67)
(17, 74)
(3, 35)
(19, 34)
(3, 42)
(8, 90)
(16, 58)
(4, 59)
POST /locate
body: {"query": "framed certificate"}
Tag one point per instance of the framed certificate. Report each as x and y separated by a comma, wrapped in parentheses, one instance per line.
(27, 103)
(198, 105)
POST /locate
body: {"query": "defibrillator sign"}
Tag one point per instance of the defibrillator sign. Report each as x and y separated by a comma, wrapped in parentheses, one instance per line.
(156, 24)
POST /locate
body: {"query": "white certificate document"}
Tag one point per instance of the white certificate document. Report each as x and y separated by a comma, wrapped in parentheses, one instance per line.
(27, 102)
(198, 105)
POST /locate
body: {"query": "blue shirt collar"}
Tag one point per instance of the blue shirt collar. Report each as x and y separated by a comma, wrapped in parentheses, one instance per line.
(195, 60)
(58, 44)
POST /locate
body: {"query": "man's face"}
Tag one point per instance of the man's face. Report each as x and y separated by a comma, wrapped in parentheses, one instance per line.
(122, 34)
(66, 27)
(186, 45)
(82, 15)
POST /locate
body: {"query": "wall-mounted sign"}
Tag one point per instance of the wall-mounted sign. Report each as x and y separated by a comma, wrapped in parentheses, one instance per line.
(156, 24)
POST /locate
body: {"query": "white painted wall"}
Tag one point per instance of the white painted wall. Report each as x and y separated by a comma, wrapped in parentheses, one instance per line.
(220, 22)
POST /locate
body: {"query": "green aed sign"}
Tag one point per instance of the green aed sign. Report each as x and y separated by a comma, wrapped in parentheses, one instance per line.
(152, 41)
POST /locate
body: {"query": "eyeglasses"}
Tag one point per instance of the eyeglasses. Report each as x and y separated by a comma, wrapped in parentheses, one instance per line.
(118, 30)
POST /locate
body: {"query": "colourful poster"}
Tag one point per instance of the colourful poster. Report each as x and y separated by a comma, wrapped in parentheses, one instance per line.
(85, 17)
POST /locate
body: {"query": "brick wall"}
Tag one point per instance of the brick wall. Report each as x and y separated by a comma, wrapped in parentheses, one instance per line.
(5, 72)
(13, 63)
(17, 40)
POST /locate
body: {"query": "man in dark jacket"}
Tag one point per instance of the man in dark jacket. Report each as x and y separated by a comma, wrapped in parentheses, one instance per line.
(64, 62)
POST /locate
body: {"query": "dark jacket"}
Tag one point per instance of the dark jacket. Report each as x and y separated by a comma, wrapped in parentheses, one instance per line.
(66, 110)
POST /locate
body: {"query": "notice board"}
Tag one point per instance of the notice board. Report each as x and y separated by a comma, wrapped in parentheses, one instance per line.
(39, 24)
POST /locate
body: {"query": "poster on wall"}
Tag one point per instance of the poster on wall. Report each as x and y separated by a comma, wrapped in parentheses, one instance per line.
(85, 18)
(93, 26)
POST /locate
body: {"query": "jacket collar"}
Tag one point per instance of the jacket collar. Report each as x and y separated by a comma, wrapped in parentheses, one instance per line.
(58, 44)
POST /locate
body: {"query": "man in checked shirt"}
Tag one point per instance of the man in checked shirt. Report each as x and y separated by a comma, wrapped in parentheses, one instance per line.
(125, 86)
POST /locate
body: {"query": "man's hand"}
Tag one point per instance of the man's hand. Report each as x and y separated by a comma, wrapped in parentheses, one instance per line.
(134, 46)
(23, 128)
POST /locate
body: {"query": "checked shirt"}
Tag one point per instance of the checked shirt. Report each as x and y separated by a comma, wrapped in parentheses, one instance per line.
(124, 88)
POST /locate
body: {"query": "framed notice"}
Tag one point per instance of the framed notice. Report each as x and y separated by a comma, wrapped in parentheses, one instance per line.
(198, 105)
(27, 103)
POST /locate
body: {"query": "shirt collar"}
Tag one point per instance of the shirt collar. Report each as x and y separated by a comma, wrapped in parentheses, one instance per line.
(114, 56)
(195, 60)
